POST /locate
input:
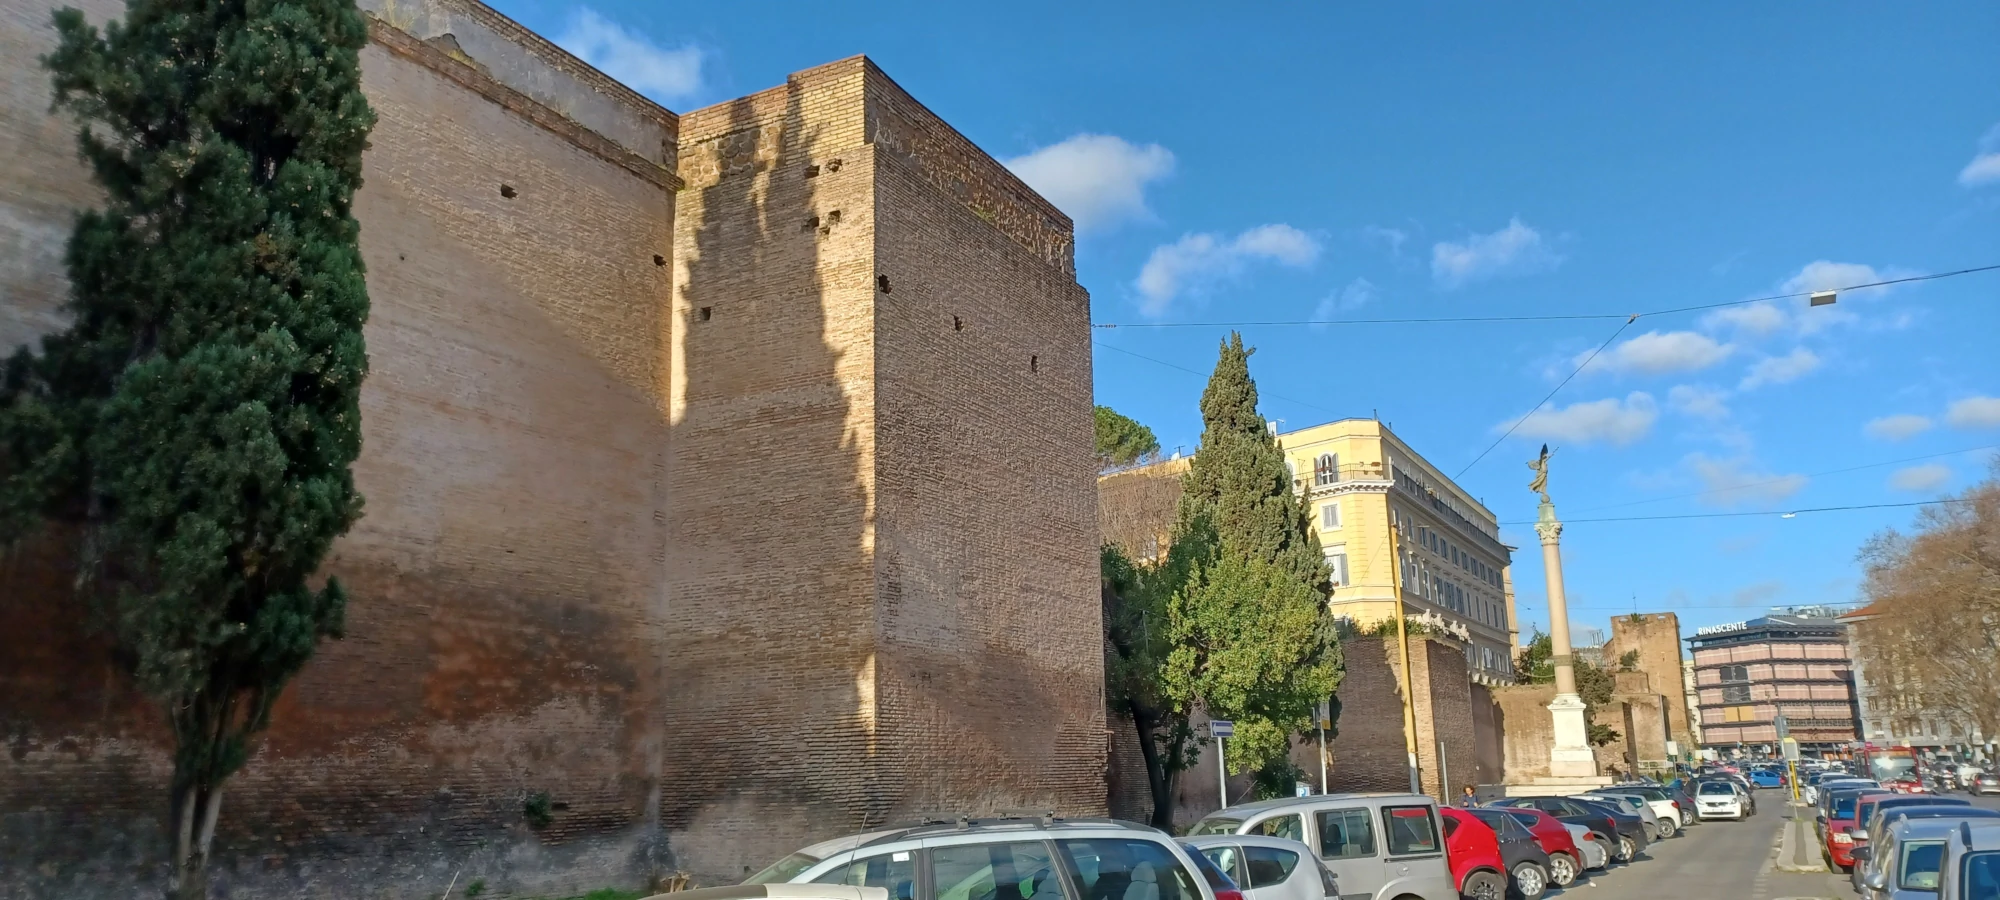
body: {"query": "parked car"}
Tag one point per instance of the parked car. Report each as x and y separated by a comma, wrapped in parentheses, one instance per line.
(1911, 851)
(1662, 797)
(1593, 848)
(1867, 806)
(1836, 826)
(1664, 818)
(1626, 833)
(1985, 783)
(1721, 800)
(1529, 867)
(780, 892)
(1377, 845)
(1266, 868)
(1840, 784)
(1970, 869)
(1767, 778)
(1885, 819)
(1566, 861)
(1476, 862)
(1224, 886)
(1002, 858)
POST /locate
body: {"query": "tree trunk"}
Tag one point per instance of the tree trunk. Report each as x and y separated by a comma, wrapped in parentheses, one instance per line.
(197, 810)
(1158, 780)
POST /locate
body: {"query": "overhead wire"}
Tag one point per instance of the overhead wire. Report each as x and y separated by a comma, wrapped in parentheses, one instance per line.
(1753, 484)
(1544, 401)
(1550, 317)
(1781, 513)
(1260, 391)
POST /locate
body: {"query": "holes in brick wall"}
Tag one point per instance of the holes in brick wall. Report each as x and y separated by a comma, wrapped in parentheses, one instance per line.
(812, 222)
(833, 218)
(706, 312)
(812, 171)
(1034, 363)
(507, 191)
(833, 165)
(882, 283)
(957, 324)
(659, 260)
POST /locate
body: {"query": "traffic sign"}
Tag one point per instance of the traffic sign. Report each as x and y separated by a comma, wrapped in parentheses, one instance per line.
(1791, 749)
(1221, 728)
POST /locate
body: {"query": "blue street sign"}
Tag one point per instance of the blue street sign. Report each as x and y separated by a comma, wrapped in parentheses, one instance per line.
(1221, 728)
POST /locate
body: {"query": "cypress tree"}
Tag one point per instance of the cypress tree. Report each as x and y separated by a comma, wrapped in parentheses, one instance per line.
(196, 421)
(1253, 639)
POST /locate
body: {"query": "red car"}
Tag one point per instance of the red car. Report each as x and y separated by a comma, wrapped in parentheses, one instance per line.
(1555, 840)
(1474, 853)
(1840, 821)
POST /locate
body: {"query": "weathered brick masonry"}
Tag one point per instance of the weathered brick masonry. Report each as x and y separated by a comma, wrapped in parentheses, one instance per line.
(676, 510)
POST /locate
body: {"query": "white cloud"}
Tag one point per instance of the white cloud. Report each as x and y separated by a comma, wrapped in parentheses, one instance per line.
(1780, 369)
(1358, 293)
(1611, 420)
(640, 64)
(1797, 314)
(1974, 412)
(1897, 428)
(1655, 353)
(1514, 250)
(1984, 168)
(1098, 179)
(1730, 482)
(1394, 237)
(1197, 260)
(1920, 478)
(1756, 318)
(1702, 402)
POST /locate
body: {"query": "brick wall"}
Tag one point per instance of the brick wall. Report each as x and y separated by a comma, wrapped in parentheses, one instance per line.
(1369, 753)
(1657, 637)
(507, 614)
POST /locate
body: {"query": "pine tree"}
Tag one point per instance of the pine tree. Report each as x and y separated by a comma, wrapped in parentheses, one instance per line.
(1253, 639)
(196, 421)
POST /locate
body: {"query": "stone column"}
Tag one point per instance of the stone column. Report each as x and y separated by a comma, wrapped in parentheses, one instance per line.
(1571, 756)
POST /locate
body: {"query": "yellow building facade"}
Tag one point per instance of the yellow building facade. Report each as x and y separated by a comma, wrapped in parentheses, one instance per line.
(1359, 482)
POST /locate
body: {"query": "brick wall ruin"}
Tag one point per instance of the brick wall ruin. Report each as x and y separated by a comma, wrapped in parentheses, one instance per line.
(676, 512)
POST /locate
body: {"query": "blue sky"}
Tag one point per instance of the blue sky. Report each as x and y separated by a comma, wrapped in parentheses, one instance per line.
(1495, 159)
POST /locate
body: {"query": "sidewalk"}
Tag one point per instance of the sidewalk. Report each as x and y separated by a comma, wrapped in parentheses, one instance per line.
(1798, 845)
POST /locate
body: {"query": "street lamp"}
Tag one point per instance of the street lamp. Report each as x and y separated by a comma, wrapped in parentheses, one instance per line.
(1822, 298)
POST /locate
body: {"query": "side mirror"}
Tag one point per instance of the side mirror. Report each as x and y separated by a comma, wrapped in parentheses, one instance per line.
(1876, 881)
(1862, 854)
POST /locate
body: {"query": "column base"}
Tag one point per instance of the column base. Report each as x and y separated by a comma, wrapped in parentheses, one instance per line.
(1571, 757)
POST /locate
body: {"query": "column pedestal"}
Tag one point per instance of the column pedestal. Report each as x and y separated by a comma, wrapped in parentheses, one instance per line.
(1571, 757)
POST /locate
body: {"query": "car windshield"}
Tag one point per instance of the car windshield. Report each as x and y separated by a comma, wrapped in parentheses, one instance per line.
(1215, 825)
(1979, 874)
(1716, 787)
(784, 870)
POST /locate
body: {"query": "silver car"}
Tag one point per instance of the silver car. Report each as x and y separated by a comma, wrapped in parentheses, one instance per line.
(1907, 869)
(1043, 858)
(1268, 868)
(1594, 854)
(1379, 846)
(1632, 805)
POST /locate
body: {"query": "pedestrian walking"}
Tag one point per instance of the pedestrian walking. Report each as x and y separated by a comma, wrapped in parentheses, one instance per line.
(1467, 798)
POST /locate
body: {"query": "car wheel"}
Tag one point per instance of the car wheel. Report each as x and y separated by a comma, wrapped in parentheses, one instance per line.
(1530, 881)
(1610, 852)
(1627, 849)
(1667, 828)
(1562, 870)
(1485, 886)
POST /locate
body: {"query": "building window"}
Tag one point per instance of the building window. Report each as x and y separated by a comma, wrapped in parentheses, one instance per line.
(1326, 469)
(1336, 564)
(1736, 693)
(1329, 516)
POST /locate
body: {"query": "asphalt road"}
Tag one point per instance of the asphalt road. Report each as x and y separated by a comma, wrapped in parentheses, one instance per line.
(1721, 860)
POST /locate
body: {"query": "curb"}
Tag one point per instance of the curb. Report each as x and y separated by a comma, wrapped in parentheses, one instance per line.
(1792, 840)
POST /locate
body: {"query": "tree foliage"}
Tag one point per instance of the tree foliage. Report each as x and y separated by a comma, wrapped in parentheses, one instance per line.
(1594, 685)
(1929, 640)
(1252, 638)
(1137, 638)
(1121, 441)
(196, 421)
